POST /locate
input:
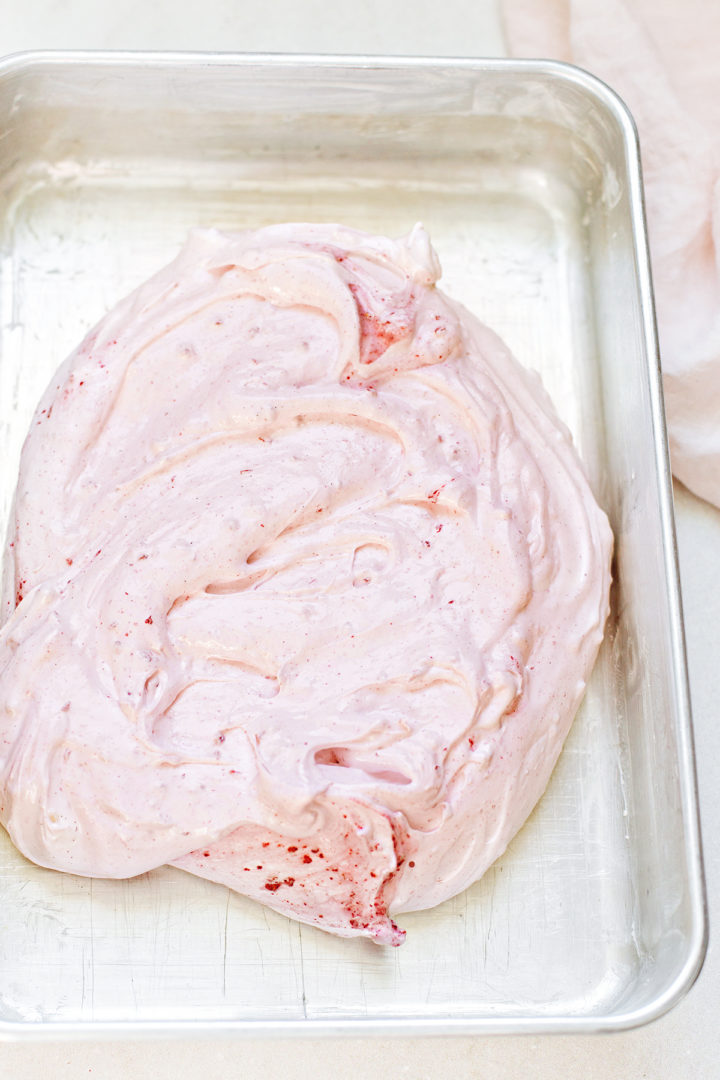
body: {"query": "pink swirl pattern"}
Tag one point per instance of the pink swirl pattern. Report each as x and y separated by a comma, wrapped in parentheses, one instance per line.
(303, 585)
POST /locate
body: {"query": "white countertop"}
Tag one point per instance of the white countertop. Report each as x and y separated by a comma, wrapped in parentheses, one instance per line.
(683, 1044)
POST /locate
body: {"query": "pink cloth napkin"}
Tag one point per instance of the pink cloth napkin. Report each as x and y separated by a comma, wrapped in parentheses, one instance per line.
(661, 57)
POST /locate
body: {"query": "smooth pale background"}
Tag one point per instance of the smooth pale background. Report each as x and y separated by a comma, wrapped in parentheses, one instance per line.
(685, 1045)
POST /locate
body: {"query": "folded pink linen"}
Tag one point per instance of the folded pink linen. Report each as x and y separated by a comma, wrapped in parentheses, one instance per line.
(660, 56)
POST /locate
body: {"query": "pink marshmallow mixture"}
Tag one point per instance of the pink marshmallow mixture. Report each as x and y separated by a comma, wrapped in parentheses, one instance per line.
(303, 585)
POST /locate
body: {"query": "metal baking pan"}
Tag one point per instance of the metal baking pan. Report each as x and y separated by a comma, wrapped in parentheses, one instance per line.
(526, 175)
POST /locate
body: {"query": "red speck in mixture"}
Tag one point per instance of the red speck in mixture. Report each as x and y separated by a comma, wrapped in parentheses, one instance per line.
(69, 562)
(272, 886)
(292, 849)
(307, 859)
(149, 619)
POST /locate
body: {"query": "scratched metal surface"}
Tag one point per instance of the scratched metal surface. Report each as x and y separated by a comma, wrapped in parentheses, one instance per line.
(593, 918)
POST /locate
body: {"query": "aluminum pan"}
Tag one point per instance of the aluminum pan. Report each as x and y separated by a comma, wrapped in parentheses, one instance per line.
(528, 176)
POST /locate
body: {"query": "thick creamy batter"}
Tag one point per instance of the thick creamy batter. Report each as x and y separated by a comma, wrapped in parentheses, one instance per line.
(303, 585)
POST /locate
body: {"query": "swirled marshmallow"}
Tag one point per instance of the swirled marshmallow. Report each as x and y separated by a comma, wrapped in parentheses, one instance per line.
(303, 585)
